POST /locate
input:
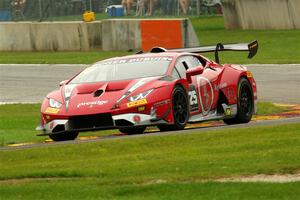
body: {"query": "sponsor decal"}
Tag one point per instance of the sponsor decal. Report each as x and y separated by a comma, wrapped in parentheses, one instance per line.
(228, 111)
(137, 103)
(230, 93)
(132, 60)
(137, 119)
(50, 110)
(220, 86)
(91, 104)
(206, 94)
(161, 103)
(141, 108)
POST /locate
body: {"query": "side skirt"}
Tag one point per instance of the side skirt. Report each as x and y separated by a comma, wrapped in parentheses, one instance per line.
(229, 111)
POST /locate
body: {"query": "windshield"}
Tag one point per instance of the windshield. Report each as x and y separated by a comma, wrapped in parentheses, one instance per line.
(123, 69)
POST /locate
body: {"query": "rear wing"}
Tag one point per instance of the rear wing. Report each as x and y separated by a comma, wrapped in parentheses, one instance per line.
(251, 47)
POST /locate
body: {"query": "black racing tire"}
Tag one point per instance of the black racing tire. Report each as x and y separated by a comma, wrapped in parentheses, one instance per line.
(245, 104)
(180, 110)
(133, 130)
(64, 136)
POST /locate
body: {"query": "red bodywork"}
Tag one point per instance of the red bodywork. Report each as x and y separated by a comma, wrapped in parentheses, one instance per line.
(217, 84)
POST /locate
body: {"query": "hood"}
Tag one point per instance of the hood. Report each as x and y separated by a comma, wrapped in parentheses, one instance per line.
(92, 98)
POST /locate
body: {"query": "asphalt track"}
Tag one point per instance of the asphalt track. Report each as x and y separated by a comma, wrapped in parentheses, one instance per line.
(293, 120)
(30, 83)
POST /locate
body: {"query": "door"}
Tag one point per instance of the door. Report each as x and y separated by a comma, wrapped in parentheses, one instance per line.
(203, 91)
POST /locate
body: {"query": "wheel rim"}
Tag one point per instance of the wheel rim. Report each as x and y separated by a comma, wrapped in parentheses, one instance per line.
(245, 100)
(180, 108)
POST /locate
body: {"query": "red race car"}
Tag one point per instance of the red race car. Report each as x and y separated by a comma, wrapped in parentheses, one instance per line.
(163, 88)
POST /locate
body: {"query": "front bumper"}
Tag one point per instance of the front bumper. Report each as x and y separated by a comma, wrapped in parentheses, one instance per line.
(100, 122)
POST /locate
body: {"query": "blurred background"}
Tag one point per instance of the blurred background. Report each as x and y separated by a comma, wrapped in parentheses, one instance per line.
(72, 10)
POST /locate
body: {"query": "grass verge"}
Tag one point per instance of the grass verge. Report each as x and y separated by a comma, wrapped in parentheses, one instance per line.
(91, 189)
(67, 57)
(157, 167)
(210, 30)
(176, 157)
(268, 108)
(18, 122)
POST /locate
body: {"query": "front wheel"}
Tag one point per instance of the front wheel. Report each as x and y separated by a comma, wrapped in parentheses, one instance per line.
(133, 130)
(180, 110)
(245, 104)
(64, 136)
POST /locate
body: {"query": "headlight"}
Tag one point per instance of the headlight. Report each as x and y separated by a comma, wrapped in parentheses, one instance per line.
(54, 104)
(140, 96)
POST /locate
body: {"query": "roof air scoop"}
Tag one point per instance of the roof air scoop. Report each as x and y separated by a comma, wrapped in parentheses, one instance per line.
(158, 50)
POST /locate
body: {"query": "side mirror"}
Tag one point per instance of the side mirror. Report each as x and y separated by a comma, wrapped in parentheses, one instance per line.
(193, 72)
(63, 83)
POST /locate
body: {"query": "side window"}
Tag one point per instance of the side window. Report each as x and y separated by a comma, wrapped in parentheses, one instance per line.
(181, 68)
(184, 63)
(193, 61)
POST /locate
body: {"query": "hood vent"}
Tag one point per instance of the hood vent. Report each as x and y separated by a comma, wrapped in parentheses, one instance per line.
(117, 86)
(98, 93)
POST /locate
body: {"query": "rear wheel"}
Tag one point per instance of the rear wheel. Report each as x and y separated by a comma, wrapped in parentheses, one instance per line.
(64, 136)
(133, 130)
(180, 110)
(245, 104)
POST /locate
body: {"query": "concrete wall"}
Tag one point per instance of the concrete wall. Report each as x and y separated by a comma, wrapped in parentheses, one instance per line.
(261, 14)
(127, 34)
(190, 36)
(80, 36)
(45, 36)
(120, 35)
(94, 32)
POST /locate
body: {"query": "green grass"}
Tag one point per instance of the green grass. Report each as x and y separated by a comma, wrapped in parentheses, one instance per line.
(153, 167)
(129, 168)
(92, 189)
(84, 57)
(268, 108)
(276, 46)
(176, 157)
(18, 122)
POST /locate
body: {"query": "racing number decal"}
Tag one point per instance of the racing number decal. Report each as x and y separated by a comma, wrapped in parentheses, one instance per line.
(193, 99)
(206, 94)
